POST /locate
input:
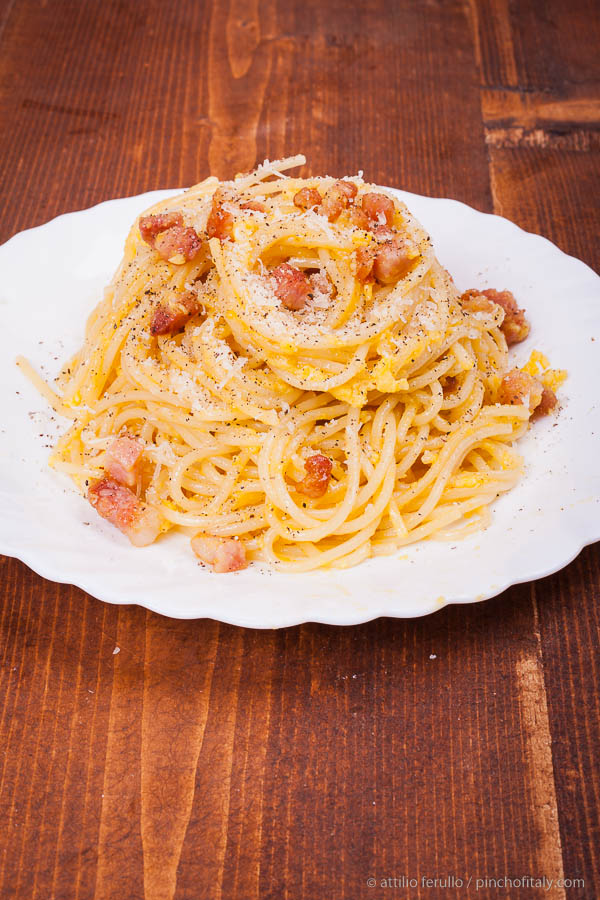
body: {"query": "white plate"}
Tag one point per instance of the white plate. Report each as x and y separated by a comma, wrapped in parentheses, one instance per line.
(53, 275)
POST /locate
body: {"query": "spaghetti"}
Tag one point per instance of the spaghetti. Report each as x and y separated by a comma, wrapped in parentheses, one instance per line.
(282, 369)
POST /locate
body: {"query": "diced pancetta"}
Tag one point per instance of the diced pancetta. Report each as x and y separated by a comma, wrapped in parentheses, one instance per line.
(222, 554)
(291, 286)
(171, 239)
(318, 472)
(122, 459)
(378, 207)
(519, 387)
(358, 218)
(152, 225)
(515, 326)
(119, 505)
(365, 258)
(337, 198)
(548, 402)
(178, 245)
(220, 221)
(253, 205)
(307, 198)
(393, 261)
(172, 314)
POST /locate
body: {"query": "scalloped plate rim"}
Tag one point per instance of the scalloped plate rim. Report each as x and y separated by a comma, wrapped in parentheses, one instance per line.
(572, 546)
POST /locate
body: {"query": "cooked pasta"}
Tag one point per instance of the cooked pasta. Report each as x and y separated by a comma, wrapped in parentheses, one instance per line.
(283, 370)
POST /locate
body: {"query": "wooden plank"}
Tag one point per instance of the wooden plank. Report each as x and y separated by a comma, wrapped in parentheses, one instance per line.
(560, 203)
(177, 676)
(120, 838)
(570, 628)
(556, 44)
(553, 192)
(376, 86)
(206, 761)
(56, 679)
(241, 47)
(359, 755)
(577, 108)
(493, 35)
(537, 90)
(528, 46)
(125, 128)
(544, 149)
(536, 731)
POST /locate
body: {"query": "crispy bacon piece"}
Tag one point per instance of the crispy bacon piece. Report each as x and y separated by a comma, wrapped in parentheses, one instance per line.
(378, 207)
(548, 402)
(291, 286)
(152, 225)
(220, 222)
(223, 554)
(254, 205)
(307, 198)
(515, 326)
(519, 387)
(358, 217)
(365, 258)
(170, 237)
(348, 188)
(122, 459)
(170, 316)
(120, 506)
(383, 233)
(387, 261)
(178, 244)
(318, 472)
(337, 198)
(393, 261)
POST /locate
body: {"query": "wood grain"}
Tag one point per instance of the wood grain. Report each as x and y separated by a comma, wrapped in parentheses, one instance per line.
(542, 801)
(143, 757)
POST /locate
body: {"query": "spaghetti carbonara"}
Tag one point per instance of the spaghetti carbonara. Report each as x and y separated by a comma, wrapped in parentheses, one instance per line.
(282, 369)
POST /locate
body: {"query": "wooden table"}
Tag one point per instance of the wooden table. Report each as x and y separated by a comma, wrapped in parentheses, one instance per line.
(207, 761)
